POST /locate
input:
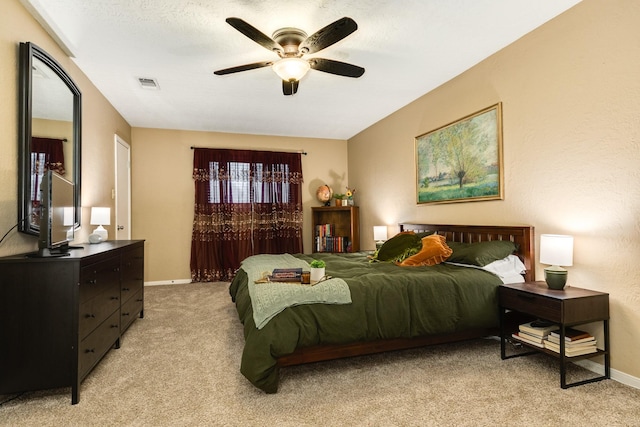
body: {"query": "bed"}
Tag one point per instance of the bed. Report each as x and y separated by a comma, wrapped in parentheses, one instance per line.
(390, 307)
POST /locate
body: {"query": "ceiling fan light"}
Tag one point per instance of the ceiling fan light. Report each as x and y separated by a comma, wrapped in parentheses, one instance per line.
(291, 68)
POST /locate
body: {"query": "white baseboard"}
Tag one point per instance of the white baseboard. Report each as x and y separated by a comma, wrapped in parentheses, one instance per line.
(168, 282)
(598, 368)
(618, 376)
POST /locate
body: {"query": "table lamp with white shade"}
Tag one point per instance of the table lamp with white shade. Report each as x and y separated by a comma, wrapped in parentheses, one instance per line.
(100, 217)
(556, 250)
(379, 235)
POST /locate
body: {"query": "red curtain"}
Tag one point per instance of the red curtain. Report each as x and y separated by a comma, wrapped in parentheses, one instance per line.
(46, 154)
(246, 202)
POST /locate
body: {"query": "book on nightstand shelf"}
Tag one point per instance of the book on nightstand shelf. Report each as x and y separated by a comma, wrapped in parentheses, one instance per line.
(537, 328)
(571, 335)
(529, 339)
(571, 351)
(590, 340)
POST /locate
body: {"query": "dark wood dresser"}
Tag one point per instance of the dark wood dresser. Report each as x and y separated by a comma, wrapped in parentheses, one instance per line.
(60, 316)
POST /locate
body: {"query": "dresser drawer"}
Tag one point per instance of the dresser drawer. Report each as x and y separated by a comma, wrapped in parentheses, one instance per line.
(98, 343)
(131, 309)
(96, 278)
(535, 305)
(129, 289)
(93, 312)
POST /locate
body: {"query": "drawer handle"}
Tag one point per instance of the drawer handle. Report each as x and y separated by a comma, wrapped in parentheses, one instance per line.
(90, 350)
(527, 297)
(115, 326)
(139, 300)
(125, 314)
(93, 281)
(125, 289)
(89, 316)
(115, 298)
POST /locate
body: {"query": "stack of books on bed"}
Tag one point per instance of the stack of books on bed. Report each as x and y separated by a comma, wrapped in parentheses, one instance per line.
(576, 342)
(534, 333)
(286, 275)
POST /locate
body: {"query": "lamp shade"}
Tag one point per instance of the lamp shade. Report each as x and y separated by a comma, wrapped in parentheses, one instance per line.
(291, 68)
(100, 216)
(556, 249)
(379, 232)
(68, 215)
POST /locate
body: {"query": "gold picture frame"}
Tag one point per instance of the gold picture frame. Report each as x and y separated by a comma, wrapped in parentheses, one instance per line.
(461, 161)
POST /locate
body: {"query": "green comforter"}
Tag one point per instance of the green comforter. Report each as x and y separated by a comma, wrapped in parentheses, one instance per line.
(388, 301)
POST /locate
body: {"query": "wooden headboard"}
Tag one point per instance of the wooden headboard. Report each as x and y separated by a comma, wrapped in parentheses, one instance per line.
(521, 235)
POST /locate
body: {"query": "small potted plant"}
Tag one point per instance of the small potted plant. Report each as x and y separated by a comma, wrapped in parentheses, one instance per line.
(317, 267)
(338, 197)
(349, 196)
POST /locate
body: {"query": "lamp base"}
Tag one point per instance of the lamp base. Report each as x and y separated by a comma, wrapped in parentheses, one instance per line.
(102, 232)
(556, 277)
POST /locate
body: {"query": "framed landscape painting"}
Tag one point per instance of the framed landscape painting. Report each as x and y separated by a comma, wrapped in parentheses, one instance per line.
(462, 161)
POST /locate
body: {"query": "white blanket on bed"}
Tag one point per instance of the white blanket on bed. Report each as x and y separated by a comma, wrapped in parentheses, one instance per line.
(269, 299)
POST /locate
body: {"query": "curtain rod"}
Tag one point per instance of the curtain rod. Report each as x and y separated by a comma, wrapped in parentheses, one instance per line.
(304, 153)
(46, 137)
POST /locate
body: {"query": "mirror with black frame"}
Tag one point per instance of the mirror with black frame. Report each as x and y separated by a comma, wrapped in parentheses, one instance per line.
(49, 137)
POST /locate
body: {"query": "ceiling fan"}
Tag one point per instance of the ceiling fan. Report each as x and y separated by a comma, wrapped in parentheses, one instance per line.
(291, 44)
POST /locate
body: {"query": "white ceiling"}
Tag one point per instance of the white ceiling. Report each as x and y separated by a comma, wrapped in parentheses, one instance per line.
(407, 47)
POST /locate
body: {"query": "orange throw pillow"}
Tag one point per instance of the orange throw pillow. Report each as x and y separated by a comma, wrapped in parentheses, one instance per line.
(434, 251)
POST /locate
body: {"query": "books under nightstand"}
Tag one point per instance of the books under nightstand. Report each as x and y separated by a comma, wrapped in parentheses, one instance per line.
(534, 333)
(548, 336)
(576, 342)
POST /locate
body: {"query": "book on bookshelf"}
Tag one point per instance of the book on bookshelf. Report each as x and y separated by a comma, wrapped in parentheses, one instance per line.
(570, 334)
(538, 331)
(520, 337)
(571, 352)
(332, 244)
(591, 340)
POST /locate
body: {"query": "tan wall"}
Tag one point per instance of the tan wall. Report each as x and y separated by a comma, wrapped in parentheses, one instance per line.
(571, 101)
(100, 121)
(163, 190)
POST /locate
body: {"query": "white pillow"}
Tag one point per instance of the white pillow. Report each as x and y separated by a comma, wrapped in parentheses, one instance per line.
(509, 269)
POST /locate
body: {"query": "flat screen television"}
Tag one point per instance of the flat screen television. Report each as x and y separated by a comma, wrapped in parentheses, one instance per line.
(57, 216)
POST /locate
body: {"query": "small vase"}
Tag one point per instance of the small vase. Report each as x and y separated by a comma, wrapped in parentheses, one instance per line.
(316, 274)
(338, 202)
(350, 202)
(345, 202)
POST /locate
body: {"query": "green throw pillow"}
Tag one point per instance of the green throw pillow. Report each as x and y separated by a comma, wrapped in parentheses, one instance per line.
(399, 247)
(480, 253)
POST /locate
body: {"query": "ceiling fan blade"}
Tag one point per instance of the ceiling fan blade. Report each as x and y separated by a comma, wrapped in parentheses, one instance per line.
(328, 35)
(290, 87)
(242, 68)
(254, 34)
(336, 67)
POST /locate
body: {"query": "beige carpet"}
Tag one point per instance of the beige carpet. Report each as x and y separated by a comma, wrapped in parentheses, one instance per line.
(179, 366)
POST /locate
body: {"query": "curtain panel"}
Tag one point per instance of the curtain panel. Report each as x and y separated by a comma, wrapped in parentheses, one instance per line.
(246, 202)
(46, 154)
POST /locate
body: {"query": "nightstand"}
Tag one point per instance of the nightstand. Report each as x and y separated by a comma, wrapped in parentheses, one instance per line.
(567, 307)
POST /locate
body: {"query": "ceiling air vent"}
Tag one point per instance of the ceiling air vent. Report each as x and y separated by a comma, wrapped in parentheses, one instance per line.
(147, 83)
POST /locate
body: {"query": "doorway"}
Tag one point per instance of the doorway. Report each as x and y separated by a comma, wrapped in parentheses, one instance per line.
(123, 189)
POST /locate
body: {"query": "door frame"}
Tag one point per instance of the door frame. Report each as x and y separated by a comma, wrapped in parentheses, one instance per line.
(120, 141)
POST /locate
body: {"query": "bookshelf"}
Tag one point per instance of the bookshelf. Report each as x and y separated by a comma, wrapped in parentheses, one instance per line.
(342, 221)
